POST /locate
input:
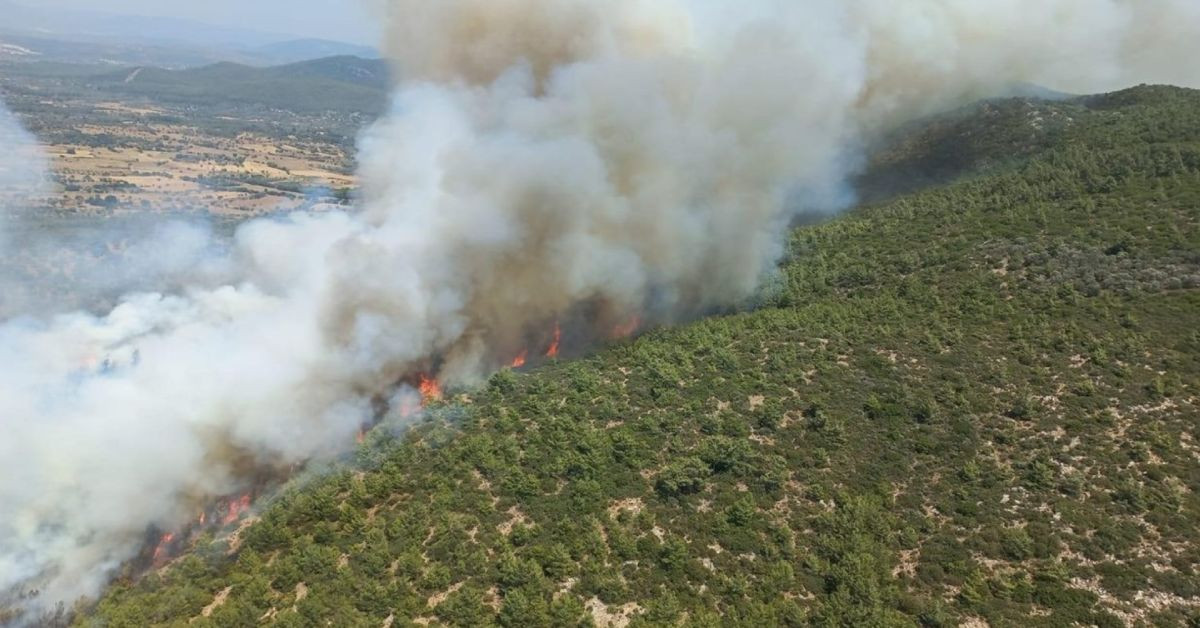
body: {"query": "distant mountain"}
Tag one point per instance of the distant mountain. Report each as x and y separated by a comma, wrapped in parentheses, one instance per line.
(84, 36)
(335, 83)
(366, 72)
(85, 25)
(339, 84)
(20, 47)
(305, 49)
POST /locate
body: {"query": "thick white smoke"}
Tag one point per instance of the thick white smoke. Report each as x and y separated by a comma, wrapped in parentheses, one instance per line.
(580, 161)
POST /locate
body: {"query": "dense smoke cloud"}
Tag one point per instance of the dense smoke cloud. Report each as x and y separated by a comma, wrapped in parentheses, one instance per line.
(59, 263)
(573, 161)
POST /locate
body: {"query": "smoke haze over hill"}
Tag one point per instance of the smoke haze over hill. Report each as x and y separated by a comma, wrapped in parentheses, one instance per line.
(23, 173)
(565, 162)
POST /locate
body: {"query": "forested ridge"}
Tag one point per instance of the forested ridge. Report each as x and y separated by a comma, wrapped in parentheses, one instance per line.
(971, 402)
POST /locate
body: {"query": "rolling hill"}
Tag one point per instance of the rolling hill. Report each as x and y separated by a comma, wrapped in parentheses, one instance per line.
(343, 84)
(297, 50)
(335, 83)
(972, 401)
(91, 36)
(97, 25)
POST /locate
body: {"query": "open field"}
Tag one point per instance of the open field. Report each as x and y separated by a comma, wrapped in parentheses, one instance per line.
(179, 168)
(116, 150)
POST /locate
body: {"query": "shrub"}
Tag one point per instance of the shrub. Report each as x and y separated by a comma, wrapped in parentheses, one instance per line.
(683, 477)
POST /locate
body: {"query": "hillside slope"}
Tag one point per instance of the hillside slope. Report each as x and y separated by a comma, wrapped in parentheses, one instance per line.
(297, 50)
(344, 84)
(976, 401)
(335, 83)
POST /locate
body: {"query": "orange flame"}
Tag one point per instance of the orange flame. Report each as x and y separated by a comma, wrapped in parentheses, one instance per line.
(361, 437)
(552, 352)
(628, 328)
(519, 361)
(160, 551)
(236, 508)
(430, 389)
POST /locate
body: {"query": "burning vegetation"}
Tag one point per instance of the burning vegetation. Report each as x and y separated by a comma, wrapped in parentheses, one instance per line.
(223, 513)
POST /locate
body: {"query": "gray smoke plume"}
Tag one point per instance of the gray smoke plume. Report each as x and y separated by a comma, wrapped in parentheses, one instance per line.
(578, 161)
(23, 173)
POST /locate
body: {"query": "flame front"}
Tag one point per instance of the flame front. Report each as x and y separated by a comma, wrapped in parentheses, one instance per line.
(628, 328)
(520, 360)
(236, 508)
(430, 389)
(160, 551)
(552, 352)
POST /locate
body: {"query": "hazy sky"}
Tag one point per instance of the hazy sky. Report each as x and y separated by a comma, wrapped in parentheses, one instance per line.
(346, 20)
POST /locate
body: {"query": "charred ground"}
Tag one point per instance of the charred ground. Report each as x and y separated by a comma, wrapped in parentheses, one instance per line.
(976, 401)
